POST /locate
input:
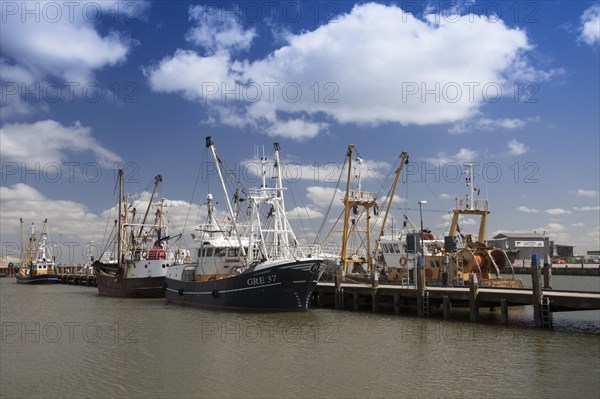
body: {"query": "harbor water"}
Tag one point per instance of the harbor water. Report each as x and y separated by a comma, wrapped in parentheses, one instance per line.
(66, 341)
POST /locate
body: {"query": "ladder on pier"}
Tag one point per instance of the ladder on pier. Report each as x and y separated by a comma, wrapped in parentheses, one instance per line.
(426, 304)
(546, 313)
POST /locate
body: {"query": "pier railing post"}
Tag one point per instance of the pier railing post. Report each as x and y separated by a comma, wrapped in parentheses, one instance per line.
(473, 291)
(537, 290)
(548, 273)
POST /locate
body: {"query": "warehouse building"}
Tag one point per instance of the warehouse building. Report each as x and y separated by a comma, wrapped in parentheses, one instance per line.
(521, 246)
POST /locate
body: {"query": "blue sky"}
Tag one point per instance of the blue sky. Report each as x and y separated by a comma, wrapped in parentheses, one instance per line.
(90, 85)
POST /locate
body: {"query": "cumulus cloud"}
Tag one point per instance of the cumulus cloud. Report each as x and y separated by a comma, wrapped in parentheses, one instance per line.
(557, 211)
(586, 193)
(590, 25)
(479, 123)
(321, 196)
(587, 208)
(72, 222)
(303, 212)
(217, 31)
(49, 141)
(463, 155)
(58, 42)
(525, 209)
(517, 148)
(395, 57)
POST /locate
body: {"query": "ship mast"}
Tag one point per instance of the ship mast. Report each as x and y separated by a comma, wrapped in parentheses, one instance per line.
(346, 209)
(157, 181)
(30, 249)
(119, 220)
(403, 161)
(355, 199)
(217, 161)
(470, 206)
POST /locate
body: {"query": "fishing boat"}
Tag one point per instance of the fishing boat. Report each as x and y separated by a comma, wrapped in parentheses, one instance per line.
(38, 263)
(140, 252)
(256, 266)
(454, 259)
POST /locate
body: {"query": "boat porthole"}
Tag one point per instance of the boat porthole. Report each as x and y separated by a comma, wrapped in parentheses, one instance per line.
(146, 266)
(180, 292)
(163, 266)
(215, 293)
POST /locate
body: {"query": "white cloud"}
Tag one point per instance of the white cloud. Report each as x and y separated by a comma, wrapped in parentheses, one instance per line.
(56, 41)
(64, 44)
(463, 155)
(216, 30)
(303, 213)
(552, 227)
(72, 222)
(590, 25)
(295, 128)
(321, 196)
(395, 57)
(579, 224)
(587, 208)
(478, 124)
(557, 211)
(193, 76)
(525, 209)
(49, 141)
(586, 193)
(326, 173)
(517, 148)
(445, 196)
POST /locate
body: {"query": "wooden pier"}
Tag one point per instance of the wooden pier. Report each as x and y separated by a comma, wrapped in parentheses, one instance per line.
(544, 299)
(76, 275)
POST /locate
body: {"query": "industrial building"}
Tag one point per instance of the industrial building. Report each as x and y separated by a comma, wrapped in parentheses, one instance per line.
(521, 246)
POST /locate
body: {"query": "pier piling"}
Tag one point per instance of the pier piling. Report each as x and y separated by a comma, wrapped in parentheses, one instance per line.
(473, 290)
(547, 274)
(537, 290)
(504, 310)
(446, 306)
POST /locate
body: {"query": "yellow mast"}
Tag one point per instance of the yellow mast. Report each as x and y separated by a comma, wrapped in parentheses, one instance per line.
(346, 209)
(354, 199)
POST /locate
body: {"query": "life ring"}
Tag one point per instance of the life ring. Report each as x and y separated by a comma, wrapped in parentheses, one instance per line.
(395, 276)
(402, 261)
(144, 254)
(428, 272)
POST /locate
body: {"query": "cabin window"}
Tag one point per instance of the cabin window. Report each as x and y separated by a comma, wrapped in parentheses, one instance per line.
(209, 252)
(220, 251)
(396, 248)
(232, 252)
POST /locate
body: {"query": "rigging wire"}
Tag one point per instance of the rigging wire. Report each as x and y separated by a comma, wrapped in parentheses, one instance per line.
(335, 191)
(192, 198)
